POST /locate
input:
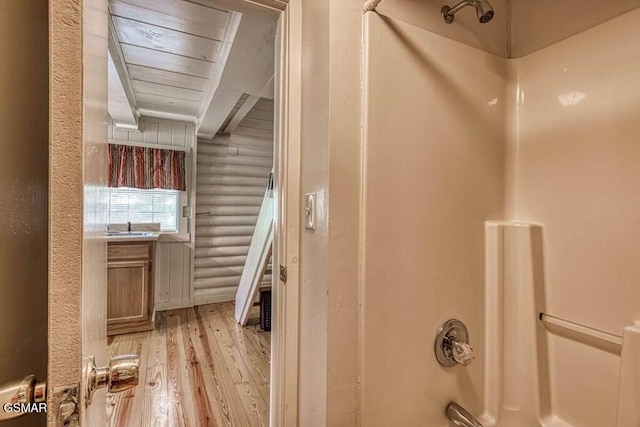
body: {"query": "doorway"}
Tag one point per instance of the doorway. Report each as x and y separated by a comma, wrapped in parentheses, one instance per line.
(195, 80)
(79, 263)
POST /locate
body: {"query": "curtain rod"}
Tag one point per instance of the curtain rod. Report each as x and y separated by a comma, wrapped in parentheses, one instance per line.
(370, 5)
(149, 145)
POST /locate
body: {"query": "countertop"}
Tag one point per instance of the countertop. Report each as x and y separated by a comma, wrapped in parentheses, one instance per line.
(152, 236)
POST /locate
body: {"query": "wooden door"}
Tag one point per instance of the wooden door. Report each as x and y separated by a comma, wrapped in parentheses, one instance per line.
(23, 195)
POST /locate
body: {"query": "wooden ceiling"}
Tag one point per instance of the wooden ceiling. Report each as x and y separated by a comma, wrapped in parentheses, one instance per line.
(171, 52)
(190, 60)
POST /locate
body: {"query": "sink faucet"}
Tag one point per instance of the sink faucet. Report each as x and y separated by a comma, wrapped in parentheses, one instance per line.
(129, 226)
(460, 417)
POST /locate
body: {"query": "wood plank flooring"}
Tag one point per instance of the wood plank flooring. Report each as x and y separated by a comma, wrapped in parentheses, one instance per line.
(198, 368)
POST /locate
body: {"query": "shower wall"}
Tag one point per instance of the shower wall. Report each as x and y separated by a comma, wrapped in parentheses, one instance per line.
(455, 136)
(434, 151)
(576, 160)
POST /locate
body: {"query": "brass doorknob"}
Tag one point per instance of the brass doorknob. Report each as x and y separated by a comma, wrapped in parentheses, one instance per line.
(122, 374)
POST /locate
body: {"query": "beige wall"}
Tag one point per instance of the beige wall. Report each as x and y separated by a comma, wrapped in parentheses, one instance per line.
(314, 244)
(329, 255)
(576, 171)
(344, 211)
(433, 173)
(23, 193)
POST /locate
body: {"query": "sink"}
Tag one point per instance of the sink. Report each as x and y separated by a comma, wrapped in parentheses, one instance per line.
(129, 233)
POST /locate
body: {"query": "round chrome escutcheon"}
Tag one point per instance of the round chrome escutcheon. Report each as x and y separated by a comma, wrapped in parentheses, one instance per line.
(452, 328)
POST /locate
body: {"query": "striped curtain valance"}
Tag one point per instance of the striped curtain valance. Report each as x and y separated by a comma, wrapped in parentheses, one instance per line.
(146, 168)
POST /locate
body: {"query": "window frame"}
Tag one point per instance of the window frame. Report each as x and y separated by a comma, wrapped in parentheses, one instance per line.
(181, 197)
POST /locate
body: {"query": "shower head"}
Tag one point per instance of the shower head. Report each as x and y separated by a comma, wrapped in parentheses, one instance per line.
(483, 9)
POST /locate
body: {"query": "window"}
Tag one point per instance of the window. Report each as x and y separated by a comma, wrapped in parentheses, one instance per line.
(144, 206)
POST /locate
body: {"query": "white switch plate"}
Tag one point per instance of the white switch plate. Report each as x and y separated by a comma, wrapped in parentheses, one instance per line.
(310, 211)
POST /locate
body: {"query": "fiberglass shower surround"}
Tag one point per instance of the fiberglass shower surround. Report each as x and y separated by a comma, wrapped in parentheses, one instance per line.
(453, 156)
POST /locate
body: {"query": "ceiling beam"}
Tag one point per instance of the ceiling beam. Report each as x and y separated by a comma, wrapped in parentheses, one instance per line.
(248, 104)
(241, 113)
(249, 69)
(119, 108)
(158, 114)
(233, 24)
(224, 100)
(278, 5)
(254, 7)
(121, 81)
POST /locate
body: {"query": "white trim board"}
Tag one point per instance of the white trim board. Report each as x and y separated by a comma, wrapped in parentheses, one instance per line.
(213, 296)
(286, 250)
(257, 260)
(177, 305)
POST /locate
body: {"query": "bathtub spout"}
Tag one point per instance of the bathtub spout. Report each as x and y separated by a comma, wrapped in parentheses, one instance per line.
(460, 417)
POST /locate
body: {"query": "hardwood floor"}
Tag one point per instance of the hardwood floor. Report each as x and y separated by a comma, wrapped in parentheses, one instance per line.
(197, 368)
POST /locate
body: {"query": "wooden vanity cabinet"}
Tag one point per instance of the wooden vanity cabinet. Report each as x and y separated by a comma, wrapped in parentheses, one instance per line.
(130, 286)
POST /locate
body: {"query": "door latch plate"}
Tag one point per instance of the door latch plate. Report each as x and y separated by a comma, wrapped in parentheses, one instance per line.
(66, 403)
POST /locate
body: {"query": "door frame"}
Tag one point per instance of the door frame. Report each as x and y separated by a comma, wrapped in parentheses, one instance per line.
(287, 170)
(77, 200)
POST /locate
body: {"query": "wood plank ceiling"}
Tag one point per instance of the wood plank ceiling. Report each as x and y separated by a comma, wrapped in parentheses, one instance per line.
(258, 121)
(171, 52)
(252, 116)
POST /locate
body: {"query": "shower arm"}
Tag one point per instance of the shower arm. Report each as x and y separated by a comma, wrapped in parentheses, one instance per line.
(455, 9)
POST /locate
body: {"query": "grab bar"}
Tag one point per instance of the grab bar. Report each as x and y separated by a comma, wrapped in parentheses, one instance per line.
(581, 329)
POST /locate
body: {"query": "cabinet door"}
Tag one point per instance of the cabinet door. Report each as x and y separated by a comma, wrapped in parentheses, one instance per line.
(127, 291)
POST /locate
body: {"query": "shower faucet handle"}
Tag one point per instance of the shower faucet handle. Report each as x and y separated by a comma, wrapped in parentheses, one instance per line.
(452, 344)
(462, 352)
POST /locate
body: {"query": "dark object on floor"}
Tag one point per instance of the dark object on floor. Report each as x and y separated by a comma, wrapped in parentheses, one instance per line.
(265, 310)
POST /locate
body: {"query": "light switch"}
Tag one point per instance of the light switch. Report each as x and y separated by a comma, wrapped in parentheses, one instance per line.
(310, 211)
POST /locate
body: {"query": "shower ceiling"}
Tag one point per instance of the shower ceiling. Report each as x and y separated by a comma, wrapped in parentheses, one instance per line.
(519, 27)
(541, 23)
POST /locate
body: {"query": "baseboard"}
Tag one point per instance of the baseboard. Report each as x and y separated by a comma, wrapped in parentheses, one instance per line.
(121, 327)
(173, 305)
(201, 297)
(213, 296)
